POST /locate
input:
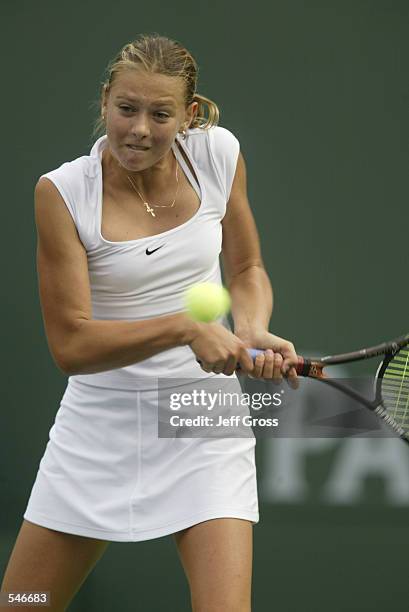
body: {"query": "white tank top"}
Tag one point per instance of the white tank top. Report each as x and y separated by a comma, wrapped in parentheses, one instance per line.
(127, 283)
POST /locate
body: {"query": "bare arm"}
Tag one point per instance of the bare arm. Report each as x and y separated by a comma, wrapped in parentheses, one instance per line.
(252, 299)
(250, 287)
(97, 345)
(78, 343)
(246, 278)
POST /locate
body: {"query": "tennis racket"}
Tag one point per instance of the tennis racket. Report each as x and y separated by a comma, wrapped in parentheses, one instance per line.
(391, 402)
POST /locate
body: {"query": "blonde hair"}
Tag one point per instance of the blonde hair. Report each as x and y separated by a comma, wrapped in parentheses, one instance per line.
(162, 55)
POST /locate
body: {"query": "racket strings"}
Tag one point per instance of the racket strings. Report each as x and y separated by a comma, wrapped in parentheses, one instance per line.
(395, 388)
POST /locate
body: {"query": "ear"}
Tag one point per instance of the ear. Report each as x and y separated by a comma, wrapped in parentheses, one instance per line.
(104, 99)
(191, 112)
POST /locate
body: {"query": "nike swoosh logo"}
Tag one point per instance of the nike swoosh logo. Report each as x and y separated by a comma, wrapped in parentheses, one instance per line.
(148, 252)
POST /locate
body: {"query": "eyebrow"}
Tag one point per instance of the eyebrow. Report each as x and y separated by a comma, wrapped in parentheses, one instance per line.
(164, 100)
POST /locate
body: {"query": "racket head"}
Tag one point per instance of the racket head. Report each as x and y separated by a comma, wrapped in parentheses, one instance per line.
(392, 387)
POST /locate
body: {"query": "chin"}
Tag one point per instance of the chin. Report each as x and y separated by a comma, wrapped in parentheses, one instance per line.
(132, 162)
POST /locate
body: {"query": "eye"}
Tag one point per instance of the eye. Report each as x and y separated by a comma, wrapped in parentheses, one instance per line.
(125, 108)
(162, 115)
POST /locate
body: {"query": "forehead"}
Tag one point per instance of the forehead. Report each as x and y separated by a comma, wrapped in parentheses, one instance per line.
(139, 85)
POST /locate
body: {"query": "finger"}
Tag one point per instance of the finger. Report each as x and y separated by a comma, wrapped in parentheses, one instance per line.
(246, 362)
(290, 359)
(231, 365)
(292, 379)
(207, 367)
(218, 367)
(258, 366)
(277, 373)
(268, 364)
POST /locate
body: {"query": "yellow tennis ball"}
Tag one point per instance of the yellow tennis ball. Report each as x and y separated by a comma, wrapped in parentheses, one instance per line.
(207, 302)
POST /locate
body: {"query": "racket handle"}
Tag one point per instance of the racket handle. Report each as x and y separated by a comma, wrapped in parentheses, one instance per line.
(302, 368)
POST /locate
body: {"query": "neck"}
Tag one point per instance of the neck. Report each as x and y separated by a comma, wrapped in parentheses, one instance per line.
(156, 177)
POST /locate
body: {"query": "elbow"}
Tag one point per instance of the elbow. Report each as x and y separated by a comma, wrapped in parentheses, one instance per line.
(65, 364)
(66, 359)
(71, 367)
(70, 363)
(67, 353)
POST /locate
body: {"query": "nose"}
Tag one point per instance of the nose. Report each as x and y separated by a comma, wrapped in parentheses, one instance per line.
(140, 126)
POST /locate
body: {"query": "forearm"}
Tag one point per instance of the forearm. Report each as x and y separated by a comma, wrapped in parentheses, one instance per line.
(252, 300)
(96, 345)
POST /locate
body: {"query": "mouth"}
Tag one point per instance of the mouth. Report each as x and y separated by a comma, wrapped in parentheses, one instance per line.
(137, 148)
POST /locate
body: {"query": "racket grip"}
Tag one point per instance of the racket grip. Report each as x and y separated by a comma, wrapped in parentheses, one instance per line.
(302, 368)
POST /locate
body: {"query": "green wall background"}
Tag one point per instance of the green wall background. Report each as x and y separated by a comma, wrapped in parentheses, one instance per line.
(317, 93)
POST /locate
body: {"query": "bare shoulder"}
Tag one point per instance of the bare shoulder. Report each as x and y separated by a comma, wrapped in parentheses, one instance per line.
(55, 225)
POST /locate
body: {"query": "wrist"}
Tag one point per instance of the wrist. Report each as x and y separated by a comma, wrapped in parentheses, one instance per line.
(187, 329)
(249, 330)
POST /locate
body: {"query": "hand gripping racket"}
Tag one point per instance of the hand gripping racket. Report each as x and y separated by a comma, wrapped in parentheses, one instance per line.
(391, 402)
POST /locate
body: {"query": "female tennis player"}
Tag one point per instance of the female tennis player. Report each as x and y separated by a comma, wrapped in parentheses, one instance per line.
(122, 233)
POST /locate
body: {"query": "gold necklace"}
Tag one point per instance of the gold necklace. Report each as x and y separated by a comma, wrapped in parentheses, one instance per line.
(146, 204)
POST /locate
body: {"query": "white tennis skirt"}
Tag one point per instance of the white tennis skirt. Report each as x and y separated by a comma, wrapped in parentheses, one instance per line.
(106, 474)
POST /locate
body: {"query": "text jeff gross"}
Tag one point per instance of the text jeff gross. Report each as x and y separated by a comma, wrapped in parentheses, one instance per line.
(232, 421)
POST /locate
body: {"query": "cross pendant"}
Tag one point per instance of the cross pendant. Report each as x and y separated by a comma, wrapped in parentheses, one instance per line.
(149, 209)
